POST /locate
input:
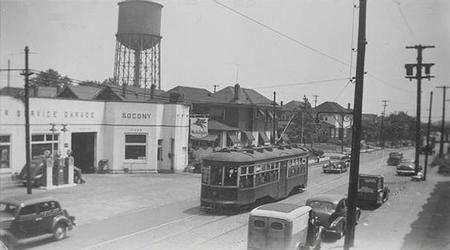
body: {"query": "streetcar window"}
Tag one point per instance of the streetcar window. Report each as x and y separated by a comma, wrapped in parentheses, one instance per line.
(276, 225)
(230, 178)
(205, 175)
(259, 223)
(246, 181)
(216, 176)
(246, 177)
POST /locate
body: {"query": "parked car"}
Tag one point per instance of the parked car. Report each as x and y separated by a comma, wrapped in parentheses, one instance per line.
(337, 163)
(36, 172)
(332, 212)
(283, 226)
(372, 190)
(407, 167)
(427, 150)
(395, 158)
(27, 219)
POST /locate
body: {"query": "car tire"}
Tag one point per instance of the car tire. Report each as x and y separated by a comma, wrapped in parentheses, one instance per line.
(6, 242)
(60, 231)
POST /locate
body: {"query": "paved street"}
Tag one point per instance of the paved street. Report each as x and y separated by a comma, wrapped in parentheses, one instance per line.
(162, 212)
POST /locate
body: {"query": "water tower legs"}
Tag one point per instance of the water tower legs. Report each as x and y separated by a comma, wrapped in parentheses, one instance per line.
(138, 67)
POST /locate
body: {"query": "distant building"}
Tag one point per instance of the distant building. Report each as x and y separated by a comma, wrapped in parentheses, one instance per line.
(339, 119)
(237, 116)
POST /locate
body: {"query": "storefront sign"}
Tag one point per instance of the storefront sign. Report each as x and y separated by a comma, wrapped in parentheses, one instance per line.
(138, 116)
(48, 113)
(199, 127)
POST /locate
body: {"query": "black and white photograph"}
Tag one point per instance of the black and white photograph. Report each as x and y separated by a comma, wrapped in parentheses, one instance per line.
(225, 124)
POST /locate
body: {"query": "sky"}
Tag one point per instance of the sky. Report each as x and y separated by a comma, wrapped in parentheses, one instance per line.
(296, 48)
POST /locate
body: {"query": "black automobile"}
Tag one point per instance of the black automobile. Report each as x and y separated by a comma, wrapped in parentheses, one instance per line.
(27, 219)
(395, 158)
(37, 174)
(331, 209)
(407, 167)
(372, 190)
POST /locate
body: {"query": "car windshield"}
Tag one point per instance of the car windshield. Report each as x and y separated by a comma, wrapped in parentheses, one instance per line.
(6, 208)
(395, 155)
(323, 206)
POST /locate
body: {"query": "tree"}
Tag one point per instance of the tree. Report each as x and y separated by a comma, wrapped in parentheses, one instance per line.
(50, 78)
(109, 81)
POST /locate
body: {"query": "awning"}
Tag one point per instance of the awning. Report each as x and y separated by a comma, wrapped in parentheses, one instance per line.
(264, 137)
(261, 113)
(234, 139)
(269, 113)
(209, 137)
(249, 135)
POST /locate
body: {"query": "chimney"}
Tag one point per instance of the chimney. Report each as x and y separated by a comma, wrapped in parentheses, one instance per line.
(348, 106)
(152, 91)
(236, 92)
(281, 103)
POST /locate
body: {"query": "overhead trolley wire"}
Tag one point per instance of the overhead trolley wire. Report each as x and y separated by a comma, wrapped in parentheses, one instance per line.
(302, 83)
(302, 44)
(281, 34)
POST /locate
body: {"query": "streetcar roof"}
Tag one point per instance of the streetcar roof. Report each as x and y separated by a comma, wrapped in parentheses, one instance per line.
(255, 154)
(284, 211)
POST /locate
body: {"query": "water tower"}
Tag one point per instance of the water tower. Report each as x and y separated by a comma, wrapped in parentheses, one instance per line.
(138, 51)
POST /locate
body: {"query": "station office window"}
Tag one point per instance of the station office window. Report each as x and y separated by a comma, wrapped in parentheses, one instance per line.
(5, 145)
(42, 142)
(135, 147)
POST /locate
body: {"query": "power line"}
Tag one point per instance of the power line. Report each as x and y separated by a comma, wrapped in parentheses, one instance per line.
(302, 83)
(281, 34)
(302, 44)
(413, 35)
(342, 90)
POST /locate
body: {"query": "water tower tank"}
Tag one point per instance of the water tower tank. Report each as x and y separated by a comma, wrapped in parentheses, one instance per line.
(139, 18)
(138, 49)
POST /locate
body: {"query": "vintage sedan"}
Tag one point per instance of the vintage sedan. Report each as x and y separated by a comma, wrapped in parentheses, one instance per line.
(407, 167)
(332, 212)
(27, 219)
(337, 163)
(395, 158)
(372, 190)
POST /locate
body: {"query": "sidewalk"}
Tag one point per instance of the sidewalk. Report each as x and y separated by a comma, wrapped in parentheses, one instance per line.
(416, 217)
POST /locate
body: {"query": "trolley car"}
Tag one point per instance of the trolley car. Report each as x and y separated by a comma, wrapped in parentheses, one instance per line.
(238, 178)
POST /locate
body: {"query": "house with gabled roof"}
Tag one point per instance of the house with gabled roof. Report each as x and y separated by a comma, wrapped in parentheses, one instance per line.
(340, 119)
(245, 113)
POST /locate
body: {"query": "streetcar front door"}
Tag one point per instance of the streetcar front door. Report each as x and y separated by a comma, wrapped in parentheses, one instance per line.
(282, 184)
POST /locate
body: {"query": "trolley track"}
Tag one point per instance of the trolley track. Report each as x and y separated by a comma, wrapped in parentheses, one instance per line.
(204, 232)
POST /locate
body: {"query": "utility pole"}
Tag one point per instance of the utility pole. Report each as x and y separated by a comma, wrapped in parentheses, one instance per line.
(27, 73)
(356, 132)
(382, 121)
(441, 144)
(428, 139)
(409, 74)
(273, 119)
(9, 73)
(315, 100)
